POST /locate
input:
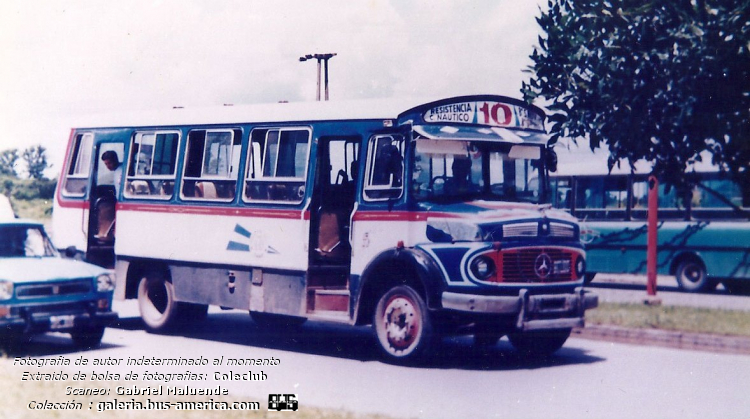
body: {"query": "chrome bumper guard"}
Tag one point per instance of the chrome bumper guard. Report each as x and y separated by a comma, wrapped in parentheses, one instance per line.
(526, 306)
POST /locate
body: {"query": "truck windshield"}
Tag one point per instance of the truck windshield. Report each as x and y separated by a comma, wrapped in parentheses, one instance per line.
(453, 170)
(24, 241)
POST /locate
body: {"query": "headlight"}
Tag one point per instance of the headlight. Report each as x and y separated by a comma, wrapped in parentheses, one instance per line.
(6, 290)
(105, 282)
(580, 267)
(482, 267)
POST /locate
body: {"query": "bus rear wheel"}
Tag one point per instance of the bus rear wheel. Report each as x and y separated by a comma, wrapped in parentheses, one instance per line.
(692, 277)
(402, 324)
(157, 305)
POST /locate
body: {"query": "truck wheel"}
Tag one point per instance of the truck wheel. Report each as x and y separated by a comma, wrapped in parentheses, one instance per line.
(156, 302)
(402, 324)
(692, 277)
(539, 343)
(87, 338)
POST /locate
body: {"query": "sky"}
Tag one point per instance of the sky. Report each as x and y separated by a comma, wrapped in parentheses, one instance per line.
(66, 58)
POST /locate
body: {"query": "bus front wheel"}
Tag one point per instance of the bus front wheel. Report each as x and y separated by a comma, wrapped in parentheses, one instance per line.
(692, 277)
(402, 324)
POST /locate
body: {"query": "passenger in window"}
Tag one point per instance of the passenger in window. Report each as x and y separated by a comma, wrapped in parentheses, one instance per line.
(112, 162)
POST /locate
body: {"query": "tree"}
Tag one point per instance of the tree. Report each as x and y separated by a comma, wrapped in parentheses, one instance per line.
(8, 159)
(36, 161)
(659, 80)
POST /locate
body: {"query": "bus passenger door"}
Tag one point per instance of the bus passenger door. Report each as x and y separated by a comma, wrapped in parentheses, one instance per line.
(102, 204)
(330, 217)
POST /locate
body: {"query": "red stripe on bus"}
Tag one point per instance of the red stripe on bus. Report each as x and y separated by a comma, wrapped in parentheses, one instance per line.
(228, 211)
(400, 215)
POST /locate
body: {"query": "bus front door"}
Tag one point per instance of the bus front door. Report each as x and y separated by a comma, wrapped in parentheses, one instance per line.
(330, 217)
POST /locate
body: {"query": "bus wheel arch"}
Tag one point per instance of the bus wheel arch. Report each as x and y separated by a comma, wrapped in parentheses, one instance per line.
(381, 277)
(393, 267)
(691, 274)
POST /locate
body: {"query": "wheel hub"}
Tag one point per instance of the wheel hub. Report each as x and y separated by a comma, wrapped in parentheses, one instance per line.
(401, 323)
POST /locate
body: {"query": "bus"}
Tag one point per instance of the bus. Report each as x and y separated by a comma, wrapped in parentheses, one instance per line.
(421, 219)
(703, 237)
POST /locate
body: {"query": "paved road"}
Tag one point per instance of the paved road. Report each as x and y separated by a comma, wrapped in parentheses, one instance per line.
(632, 288)
(335, 366)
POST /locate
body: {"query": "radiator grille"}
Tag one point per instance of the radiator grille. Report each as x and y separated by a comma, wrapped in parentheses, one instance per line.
(537, 265)
(521, 230)
(58, 288)
(561, 230)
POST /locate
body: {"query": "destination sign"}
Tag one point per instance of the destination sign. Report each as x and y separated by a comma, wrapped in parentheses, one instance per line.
(496, 114)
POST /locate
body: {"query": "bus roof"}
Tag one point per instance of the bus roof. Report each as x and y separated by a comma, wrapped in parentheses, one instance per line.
(261, 113)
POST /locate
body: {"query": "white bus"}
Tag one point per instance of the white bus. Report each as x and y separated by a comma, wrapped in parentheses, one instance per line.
(422, 219)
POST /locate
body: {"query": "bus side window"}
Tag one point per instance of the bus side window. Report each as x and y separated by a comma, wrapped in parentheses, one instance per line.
(152, 165)
(562, 192)
(277, 165)
(79, 166)
(211, 164)
(670, 204)
(385, 168)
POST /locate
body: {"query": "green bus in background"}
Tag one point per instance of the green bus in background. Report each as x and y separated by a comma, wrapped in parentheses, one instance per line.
(704, 237)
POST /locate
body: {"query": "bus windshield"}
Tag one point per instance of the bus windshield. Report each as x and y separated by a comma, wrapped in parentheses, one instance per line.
(458, 170)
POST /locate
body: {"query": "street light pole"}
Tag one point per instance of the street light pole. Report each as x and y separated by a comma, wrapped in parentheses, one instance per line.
(319, 58)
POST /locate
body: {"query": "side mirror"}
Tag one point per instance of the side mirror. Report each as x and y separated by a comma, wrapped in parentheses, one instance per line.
(551, 160)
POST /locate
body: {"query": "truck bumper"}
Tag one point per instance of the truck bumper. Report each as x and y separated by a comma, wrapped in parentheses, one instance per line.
(53, 322)
(533, 312)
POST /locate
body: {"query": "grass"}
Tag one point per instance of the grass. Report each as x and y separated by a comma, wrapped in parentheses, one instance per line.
(17, 394)
(35, 209)
(677, 318)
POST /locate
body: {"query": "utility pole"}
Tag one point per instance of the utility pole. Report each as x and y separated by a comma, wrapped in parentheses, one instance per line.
(324, 58)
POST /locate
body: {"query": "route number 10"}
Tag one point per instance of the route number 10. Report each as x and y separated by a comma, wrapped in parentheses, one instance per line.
(491, 114)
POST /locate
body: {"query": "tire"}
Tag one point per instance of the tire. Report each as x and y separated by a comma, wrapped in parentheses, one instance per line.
(692, 277)
(87, 338)
(159, 310)
(402, 324)
(588, 277)
(539, 343)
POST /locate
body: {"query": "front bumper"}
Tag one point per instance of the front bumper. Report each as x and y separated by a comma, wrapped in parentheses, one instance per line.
(533, 312)
(56, 322)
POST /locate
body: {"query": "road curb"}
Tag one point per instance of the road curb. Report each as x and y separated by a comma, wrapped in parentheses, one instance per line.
(666, 338)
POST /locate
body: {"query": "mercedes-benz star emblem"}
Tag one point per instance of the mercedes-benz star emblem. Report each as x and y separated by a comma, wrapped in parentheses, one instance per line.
(543, 266)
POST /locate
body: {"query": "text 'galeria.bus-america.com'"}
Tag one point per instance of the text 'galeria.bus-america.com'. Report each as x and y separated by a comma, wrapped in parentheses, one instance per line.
(421, 219)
